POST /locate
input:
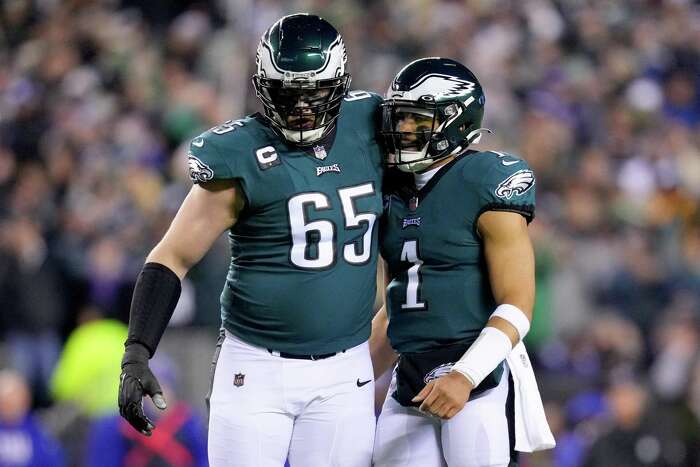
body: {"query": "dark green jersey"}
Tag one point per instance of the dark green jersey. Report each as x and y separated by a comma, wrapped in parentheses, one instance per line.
(440, 292)
(304, 249)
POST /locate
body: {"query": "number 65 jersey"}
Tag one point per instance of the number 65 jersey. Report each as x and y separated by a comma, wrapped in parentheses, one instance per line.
(304, 248)
(440, 293)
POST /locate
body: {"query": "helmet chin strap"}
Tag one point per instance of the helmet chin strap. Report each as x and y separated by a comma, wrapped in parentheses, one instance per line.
(420, 163)
(412, 167)
(309, 136)
(296, 136)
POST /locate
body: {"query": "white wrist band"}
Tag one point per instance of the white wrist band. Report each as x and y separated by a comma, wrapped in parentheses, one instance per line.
(485, 354)
(515, 317)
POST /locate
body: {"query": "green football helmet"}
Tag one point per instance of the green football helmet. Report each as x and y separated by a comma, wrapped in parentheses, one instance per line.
(433, 109)
(301, 77)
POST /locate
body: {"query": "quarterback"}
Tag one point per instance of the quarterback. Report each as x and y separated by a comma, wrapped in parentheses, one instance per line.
(299, 190)
(461, 271)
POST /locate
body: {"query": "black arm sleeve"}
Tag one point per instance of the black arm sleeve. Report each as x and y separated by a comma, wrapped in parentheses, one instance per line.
(155, 296)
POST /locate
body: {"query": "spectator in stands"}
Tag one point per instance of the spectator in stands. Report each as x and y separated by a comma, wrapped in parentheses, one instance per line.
(88, 366)
(33, 298)
(639, 433)
(85, 382)
(23, 441)
(690, 416)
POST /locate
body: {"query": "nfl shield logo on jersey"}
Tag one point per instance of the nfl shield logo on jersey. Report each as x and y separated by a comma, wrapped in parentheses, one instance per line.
(238, 379)
(320, 152)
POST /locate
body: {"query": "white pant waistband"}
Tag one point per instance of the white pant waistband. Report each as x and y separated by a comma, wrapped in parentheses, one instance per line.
(240, 343)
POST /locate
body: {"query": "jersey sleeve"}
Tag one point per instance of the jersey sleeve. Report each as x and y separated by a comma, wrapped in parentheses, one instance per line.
(507, 184)
(207, 161)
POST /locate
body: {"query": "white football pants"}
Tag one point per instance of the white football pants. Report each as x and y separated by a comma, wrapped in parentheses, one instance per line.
(264, 408)
(478, 436)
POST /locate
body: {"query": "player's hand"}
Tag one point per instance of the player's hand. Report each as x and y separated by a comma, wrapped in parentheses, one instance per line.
(445, 396)
(137, 381)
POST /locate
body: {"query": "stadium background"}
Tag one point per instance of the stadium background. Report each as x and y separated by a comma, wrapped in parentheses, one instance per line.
(97, 102)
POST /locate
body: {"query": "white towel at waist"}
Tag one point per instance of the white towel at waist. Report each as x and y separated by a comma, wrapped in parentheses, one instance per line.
(532, 432)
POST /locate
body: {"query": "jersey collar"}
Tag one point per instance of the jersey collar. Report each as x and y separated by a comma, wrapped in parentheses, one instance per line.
(406, 189)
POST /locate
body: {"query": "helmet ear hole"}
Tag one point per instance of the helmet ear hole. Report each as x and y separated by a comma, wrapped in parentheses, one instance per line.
(442, 145)
(451, 110)
(438, 143)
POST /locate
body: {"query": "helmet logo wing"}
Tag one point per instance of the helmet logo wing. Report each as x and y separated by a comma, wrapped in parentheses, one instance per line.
(439, 85)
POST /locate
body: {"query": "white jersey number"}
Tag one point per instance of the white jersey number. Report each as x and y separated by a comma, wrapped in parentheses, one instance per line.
(357, 95)
(313, 243)
(409, 253)
(307, 234)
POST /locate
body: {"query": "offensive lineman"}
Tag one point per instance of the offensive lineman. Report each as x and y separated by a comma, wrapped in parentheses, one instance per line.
(299, 189)
(461, 265)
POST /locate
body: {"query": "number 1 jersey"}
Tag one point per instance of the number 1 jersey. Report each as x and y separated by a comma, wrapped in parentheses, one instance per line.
(304, 249)
(440, 292)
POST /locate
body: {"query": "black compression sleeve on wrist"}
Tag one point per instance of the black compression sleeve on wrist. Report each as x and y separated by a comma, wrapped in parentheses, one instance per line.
(155, 296)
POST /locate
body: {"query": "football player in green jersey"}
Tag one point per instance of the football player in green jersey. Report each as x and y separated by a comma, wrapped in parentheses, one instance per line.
(461, 271)
(299, 189)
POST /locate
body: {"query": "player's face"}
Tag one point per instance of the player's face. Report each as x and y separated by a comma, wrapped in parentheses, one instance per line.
(415, 129)
(302, 104)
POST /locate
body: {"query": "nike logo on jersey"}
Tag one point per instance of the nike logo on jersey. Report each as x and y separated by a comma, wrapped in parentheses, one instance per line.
(198, 142)
(408, 221)
(502, 155)
(362, 383)
(327, 168)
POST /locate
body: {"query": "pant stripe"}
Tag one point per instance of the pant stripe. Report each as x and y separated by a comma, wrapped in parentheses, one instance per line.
(510, 417)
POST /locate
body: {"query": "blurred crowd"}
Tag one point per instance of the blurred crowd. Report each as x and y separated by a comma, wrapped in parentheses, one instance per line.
(98, 99)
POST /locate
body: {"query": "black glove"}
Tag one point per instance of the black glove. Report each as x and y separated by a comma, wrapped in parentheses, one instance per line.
(137, 381)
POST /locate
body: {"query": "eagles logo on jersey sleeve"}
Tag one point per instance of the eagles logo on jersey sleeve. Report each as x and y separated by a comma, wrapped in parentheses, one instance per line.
(516, 185)
(507, 184)
(206, 160)
(199, 171)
